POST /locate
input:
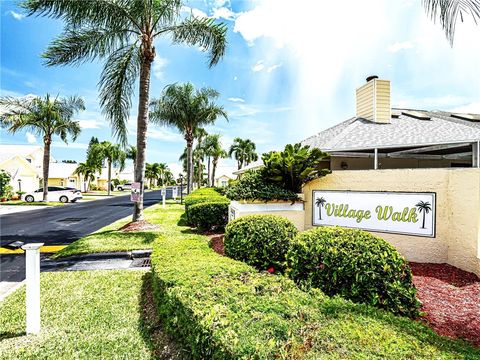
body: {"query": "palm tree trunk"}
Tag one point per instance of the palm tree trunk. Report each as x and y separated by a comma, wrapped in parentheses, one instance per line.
(200, 173)
(109, 177)
(214, 167)
(209, 183)
(46, 164)
(142, 123)
(189, 163)
(423, 223)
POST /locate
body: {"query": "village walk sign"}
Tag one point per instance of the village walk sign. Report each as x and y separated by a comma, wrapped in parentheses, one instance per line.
(408, 213)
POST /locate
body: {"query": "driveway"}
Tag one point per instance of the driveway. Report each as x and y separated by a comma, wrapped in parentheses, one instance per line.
(60, 225)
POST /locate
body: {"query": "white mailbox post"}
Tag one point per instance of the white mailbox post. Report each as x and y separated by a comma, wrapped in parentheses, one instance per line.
(32, 258)
(164, 194)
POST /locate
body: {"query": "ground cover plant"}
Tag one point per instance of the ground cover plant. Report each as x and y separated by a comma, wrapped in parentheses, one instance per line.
(220, 308)
(260, 240)
(253, 186)
(354, 264)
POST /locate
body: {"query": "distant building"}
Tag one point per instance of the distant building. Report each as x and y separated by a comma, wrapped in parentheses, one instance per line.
(24, 164)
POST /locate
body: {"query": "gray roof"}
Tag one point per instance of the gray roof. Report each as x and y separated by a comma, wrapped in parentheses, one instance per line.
(403, 131)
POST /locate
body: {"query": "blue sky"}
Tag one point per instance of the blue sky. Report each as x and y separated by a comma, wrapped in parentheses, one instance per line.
(290, 70)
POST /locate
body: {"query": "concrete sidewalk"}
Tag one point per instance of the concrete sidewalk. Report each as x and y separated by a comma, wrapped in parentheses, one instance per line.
(10, 209)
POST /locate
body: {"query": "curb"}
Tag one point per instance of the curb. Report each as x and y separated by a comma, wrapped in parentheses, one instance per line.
(11, 290)
(102, 256)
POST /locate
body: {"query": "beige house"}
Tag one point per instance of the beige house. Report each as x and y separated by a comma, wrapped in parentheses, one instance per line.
(63, 174)
(24, 164)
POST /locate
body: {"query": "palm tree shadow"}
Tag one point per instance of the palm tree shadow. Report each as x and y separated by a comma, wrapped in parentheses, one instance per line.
(161, 344)
(8, 335)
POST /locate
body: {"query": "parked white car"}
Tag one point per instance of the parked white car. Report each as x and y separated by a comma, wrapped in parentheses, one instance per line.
(127, 186)
(55, 193)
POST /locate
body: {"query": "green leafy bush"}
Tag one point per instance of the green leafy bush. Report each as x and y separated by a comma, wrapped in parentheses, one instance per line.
(219, 308)
(202, 195)
(294, 166)
(206, 215)
(355, 265)
(252, 186)
(5, 188)
(259, 240)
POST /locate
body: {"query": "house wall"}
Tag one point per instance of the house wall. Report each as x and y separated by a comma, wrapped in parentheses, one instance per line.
(457, 238)
(388, 163)
(18, 169)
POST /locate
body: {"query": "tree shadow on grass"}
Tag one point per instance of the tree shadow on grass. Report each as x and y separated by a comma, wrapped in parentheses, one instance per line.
(162, 345)
(8, 335)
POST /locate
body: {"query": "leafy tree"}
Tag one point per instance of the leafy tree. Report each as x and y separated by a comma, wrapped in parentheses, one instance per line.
(113, 155)
(5, 178)
(214, 150)
(45, 117)
(243, 151)
(88, 172)
(186, 108)
(123, 33)
(294, 166)
(448, 12)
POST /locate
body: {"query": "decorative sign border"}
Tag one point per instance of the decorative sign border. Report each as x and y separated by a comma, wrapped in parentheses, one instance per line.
(430, 211)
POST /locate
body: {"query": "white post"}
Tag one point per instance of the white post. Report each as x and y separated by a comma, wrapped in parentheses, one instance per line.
(164, 194)
(375, 159)
(32, 257)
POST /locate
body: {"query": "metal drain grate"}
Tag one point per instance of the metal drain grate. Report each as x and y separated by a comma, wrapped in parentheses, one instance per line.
(71, 220)
(141, 262)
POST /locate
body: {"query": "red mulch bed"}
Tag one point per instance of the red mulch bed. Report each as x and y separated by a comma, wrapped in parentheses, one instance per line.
(450, 298)
(141, 225)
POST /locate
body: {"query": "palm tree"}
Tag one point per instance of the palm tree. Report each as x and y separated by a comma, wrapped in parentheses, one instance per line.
(123, 33)
(87, 172)
(151, 172)
(113, 155)
(45, 117)
(243, 151)
(200, 134)
(424, 208)
(448, 12)
(215, 151)
(162, 171)
(187, 109)
(320, 202)
(131, 154)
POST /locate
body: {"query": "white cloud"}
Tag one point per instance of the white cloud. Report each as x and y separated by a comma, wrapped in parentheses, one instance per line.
(175, 168)
(432, 103)
(396, 47)
(70, 145)
(90, 124)
(16, 16)
(273, 67)
(193, 11)
(235, 78)
(163, 134)
(471, 108)
(236, 99)
(224, 13)
(259, 66)
(30, 138)
(158, 66)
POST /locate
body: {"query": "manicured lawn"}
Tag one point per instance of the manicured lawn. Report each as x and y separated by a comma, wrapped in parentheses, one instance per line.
(108, 239)
(24, 203)
(85, 315)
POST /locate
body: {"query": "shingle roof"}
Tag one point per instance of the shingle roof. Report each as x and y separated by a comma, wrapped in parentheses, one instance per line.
(403, 131)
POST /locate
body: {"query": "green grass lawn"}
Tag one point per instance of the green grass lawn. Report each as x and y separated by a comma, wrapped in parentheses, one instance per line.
(86, 315)
(38, 203)
(108, 239)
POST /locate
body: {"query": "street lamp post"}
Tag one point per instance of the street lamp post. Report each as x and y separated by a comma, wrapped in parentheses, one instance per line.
(19, 185)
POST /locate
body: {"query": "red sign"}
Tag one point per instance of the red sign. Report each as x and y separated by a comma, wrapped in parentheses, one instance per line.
(135, 195)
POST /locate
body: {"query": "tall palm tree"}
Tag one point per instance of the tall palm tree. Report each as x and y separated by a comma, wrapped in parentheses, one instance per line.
(215, 151)
(162, 171)
(424, 208)
(243, 151)
(131, 154)
(187, 108)
(448, 12)
(200, 134)
(87, 171)
(45, 117)
(320, 202)
(151, 172)
(123, 32)
(113, 155)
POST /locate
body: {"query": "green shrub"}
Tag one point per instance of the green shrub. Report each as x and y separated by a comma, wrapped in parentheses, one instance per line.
(206, 215)
(355, 265)
(219, 308)
(252, 186)
(259, 240)
(202, 195)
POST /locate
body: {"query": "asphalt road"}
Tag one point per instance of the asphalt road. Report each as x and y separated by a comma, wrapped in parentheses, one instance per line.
(60, 225)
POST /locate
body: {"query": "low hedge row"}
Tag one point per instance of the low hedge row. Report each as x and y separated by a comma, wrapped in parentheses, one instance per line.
(200, 218)
(219, 308)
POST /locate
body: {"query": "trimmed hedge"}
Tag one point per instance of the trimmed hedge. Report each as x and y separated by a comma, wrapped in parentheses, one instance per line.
(252, 186)
(355, 265)
(206, 215)
(202, 195)
(259, 240)
(219, 308)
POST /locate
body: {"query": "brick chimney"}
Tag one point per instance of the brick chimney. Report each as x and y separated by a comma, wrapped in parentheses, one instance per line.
(373, 100)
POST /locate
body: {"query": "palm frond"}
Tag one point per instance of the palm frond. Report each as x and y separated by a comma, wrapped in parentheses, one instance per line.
(117, 86)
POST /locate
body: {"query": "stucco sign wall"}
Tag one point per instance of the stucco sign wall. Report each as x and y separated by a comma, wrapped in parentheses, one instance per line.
(410, 213)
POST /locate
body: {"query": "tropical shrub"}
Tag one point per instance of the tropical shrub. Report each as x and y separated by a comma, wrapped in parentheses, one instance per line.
(207, 215)
(5, 188)
(294, 166)
(252, 186)
(260, 240)
(355, 265)
(202, 195)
